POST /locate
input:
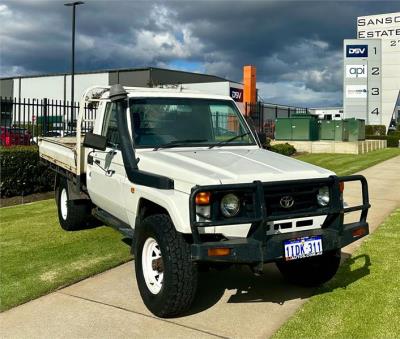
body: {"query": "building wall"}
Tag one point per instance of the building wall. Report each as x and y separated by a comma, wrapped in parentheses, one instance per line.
(6, 88)
(38, 88)
(52, 87)
(164, 77)
(130, 78)
(83, 81)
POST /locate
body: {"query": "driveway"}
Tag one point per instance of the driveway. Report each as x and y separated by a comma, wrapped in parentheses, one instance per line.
(233, 303)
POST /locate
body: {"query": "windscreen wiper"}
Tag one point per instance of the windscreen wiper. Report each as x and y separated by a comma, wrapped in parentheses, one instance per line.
(229, 140)
(177, 143)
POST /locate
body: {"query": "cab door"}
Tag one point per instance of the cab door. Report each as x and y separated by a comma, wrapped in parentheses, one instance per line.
(107, 173)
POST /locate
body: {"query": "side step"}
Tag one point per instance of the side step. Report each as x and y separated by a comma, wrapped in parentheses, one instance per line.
(113, 222)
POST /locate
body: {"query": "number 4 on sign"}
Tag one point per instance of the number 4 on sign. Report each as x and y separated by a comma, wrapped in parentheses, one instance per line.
(375, 111)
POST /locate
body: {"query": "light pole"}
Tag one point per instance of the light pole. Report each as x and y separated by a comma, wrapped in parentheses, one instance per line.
(73, 5)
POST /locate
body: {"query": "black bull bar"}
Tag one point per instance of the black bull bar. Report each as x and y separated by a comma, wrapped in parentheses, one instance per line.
(258, 247)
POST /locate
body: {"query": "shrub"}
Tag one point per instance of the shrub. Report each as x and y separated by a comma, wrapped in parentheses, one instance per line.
(285, 149)
(394, 133)
(22, 173)
(392, 140)
(375, 130)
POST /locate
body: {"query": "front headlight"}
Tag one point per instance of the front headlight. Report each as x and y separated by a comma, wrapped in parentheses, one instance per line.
(230, 205)
(323, 196)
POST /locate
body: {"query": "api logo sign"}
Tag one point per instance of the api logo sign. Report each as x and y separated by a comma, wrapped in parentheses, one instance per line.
(236, 94)
(356, 71)
(356, 51)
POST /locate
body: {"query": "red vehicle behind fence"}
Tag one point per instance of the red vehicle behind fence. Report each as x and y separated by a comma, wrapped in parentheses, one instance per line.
(10, 136)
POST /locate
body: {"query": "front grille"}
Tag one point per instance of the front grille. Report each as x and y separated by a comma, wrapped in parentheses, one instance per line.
(305, 199)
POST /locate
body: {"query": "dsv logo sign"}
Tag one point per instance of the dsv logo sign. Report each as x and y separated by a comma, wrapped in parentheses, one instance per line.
(236, 94)
(356, 51)
(356, 71)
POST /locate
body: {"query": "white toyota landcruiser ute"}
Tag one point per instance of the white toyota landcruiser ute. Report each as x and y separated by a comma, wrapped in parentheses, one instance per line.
(184, 176)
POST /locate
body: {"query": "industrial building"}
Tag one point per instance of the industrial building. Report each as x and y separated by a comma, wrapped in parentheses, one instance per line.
(36, 94)
(57, 86)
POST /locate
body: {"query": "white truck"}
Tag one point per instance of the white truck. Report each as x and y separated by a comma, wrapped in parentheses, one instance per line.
(186, 178)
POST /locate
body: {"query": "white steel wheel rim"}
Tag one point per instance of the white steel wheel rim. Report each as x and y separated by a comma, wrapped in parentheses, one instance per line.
(152, 265)
(64, 204)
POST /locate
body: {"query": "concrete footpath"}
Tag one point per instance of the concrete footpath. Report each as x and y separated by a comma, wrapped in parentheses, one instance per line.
(229, 304)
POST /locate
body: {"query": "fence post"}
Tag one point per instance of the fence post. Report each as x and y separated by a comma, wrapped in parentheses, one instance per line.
(44, 113)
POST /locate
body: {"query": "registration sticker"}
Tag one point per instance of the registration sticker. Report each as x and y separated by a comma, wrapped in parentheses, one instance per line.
(303, 247)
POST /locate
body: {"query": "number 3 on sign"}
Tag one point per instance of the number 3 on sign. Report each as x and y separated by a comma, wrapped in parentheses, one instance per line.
(375, 111)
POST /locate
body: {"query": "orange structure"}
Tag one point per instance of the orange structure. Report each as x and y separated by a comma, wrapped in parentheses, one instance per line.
(249, 84)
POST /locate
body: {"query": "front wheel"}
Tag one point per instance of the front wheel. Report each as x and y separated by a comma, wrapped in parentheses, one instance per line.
(312, 271)
(165, 274)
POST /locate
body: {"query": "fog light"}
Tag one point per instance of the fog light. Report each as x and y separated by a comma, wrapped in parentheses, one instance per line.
(230, 205)
(323, 196)
(204, 211)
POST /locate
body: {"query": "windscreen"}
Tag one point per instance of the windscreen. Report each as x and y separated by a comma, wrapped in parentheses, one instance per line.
(187, 122)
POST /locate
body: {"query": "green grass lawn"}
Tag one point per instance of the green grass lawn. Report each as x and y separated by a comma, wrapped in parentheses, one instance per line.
(345, 164)
(37, 256)
(360, 301)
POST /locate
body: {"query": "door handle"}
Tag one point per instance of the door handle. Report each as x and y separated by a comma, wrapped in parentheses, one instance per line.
(97, 162)
(109, 173)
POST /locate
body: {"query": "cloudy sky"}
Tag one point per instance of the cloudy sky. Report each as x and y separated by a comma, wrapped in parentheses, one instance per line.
(295, 45)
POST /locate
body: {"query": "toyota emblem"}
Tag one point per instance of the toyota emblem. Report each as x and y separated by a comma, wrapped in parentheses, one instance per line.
(287, 201)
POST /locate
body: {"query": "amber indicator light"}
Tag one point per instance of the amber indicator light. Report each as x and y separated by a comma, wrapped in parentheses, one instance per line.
(203, 198)
(358, 232)
(219, 252)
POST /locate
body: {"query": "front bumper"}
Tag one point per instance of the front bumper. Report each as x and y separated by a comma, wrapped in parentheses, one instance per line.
(259, 247)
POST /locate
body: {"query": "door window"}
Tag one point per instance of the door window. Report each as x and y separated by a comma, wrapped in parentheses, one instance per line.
(110, 129)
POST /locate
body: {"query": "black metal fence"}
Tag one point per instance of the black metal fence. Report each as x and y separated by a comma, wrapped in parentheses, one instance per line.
(22, 121)
(263, 115)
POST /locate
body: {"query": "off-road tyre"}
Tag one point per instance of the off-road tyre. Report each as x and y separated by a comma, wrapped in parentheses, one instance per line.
(179, 272)
(73, 215)
(311, 272)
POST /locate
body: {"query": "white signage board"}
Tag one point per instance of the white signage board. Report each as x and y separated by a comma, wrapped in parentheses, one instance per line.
(380, 26)
(384, 68)
(356, 91)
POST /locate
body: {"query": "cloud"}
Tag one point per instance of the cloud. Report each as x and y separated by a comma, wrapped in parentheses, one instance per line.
(297, 94)
(294, 44)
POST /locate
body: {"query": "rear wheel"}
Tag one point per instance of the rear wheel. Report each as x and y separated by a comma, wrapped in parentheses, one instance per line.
(72, 214)
(165, 274)
(312, 271)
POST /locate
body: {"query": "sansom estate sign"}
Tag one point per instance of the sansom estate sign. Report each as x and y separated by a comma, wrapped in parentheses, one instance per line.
(379, 26)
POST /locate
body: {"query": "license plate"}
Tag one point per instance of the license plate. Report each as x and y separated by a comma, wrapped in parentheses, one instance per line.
(303, 247)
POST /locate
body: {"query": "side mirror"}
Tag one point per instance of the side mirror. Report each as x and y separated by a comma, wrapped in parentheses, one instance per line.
(95, 141)
(262, 137)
